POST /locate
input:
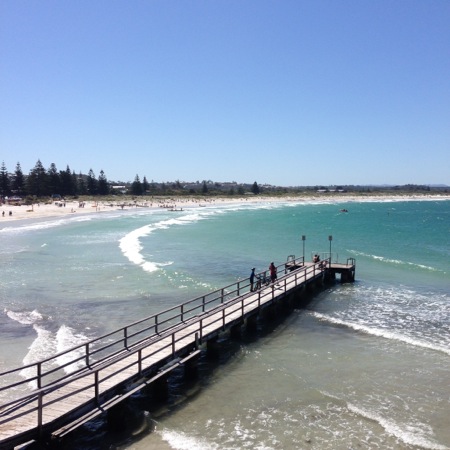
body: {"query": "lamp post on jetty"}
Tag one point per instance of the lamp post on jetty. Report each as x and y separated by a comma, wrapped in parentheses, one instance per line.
(303, 240)
(330, 238)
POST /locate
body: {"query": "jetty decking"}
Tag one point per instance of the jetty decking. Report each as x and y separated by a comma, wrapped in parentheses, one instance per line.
(60, 396)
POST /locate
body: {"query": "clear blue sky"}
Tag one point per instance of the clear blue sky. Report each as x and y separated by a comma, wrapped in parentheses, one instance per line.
(288, 92)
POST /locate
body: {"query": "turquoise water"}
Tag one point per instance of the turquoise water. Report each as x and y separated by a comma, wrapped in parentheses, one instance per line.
(364, 365)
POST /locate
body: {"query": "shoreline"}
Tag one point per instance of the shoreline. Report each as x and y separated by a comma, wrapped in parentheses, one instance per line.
(16, 213)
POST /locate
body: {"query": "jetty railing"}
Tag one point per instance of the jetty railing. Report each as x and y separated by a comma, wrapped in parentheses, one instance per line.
(84, 356)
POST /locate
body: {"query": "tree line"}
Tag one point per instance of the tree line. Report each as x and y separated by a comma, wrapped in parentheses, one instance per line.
(41, 182)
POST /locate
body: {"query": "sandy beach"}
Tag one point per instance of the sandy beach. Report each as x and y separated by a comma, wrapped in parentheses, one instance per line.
(10, 213)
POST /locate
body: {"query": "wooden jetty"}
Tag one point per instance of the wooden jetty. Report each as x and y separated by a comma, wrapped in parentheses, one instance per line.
(99, 374)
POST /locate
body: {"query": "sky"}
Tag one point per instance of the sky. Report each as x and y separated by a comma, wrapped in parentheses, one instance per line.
(281, 92)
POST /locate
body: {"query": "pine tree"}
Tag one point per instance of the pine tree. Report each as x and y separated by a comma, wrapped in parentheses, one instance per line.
(255, 188)
(67, 182)
(37, 181)
(81, 185)
(5, 190)
(92, 183)
(18, 184)
(54, 181)
(136, 186)
(145, 185)
(103, 187)
(75, 187)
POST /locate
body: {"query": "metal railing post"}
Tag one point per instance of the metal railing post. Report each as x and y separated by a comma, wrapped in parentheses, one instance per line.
(40, 412)
(39, 374)
(96, 388)
(125, 337)
(87, 354)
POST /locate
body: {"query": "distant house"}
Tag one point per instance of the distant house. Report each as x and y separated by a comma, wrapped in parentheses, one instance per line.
(13, 200)
(120, 189)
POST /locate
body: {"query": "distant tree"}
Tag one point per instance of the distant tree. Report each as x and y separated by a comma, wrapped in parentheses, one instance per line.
(255, 188)
(241, 190)
(18, 184)
(4, 181)
(67, 184)
(53, 180)
(37, 181)
(145, 185)
(92, 184)
(81, 185)
(204, 188)
(103, 187)
(74, 182)
(136, 186)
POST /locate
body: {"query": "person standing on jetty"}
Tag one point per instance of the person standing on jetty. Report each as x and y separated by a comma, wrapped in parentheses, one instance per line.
(252, 279)
(273, 272)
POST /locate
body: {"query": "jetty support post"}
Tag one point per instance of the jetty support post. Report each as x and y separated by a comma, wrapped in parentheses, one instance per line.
(252, 322)
(213, 348)
(160, 388)
(235, 330)
(191, 368)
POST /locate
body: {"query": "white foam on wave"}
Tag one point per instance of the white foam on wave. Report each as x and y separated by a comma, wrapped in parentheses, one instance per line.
(34, 226)
(131, 247)
(382, 333)
(24, 317)
(181, 441)
(412, 434)
(65, 339)
(43, 346)
(395, 261)
(48, 343)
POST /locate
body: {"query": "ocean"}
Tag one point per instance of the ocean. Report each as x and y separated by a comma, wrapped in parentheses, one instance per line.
(363, 365)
